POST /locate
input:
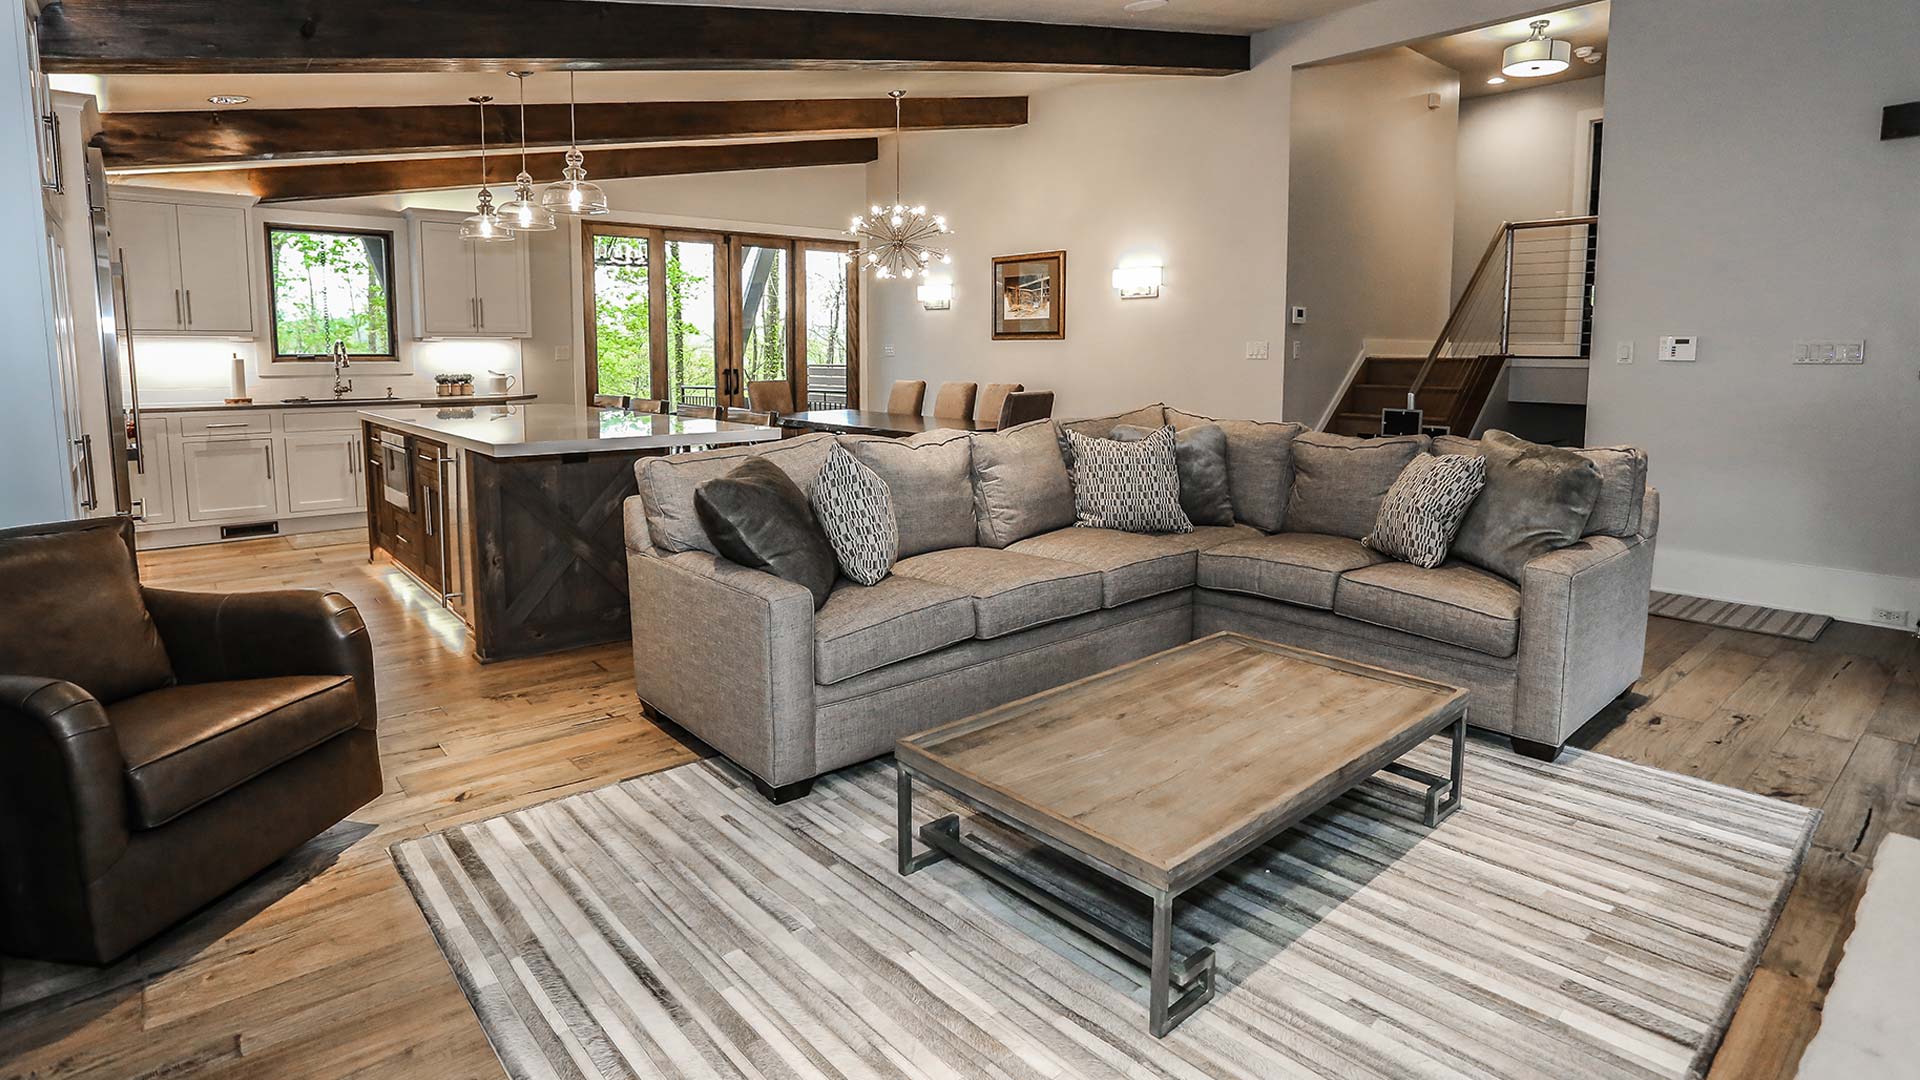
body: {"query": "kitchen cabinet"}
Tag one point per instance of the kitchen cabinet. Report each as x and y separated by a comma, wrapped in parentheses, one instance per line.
(464, 289)
(322, 471)
(229, 477)
(151, 481)
(187, 266)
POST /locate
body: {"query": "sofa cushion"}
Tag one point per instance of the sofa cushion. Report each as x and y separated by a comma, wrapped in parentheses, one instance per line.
(187, 744)
(758, 517)
(1259, 465)
(856, 512)
(1020, 484)
(929, 478)
(1200, 453)
(1299, 568)
(1010, 591)
(1339, 482)
(1455, 603)
(1619, 508)
(1133, 566)
(1537, 499)
(667, 484)
(1101, 427)
(1130, 486)
(863, 627)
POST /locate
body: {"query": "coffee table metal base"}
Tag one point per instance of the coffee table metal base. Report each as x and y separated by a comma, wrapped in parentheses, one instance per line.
(1176, 989)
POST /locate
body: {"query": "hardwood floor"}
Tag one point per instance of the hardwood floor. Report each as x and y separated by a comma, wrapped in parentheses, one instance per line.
(324, 968)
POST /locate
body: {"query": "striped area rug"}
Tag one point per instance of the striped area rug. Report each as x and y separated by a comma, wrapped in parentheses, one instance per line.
(1590, 920)
(1797, 625)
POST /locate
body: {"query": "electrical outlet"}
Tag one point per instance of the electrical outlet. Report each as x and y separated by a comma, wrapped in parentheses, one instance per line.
(1901, 618)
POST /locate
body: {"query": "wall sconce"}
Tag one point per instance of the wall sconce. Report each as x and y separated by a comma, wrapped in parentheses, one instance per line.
(1136, 282)
(935, 295)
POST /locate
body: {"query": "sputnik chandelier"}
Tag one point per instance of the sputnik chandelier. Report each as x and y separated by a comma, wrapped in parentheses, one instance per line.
(896, 241)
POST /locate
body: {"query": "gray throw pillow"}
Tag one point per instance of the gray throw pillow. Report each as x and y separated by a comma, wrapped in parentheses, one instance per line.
(1201, 452)
(1425, 506)
(929, 477)
(856, 512)
(1020, 484)
(1101, 427)
(1618, 508)
(1259, 465)
(667, 484)
(758, 517)
(1339, 481)
(1537, 499)
(1127, 486)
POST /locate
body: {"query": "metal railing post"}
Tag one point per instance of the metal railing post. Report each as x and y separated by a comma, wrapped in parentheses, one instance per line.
(1506, 297)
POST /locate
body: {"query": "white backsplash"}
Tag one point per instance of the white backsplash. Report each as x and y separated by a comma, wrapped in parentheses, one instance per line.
(199, 370)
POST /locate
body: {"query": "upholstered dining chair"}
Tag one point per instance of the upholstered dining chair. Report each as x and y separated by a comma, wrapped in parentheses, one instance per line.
(698, 412)
(158, 748)
(1025, 406)
(992, 397)
(610, 401)
(646, 405)
(906, 396)
(749, 416)
(770, 395)
(955, 401)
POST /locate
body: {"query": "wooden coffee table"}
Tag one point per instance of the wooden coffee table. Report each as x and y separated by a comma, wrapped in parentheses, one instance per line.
(1161, 772)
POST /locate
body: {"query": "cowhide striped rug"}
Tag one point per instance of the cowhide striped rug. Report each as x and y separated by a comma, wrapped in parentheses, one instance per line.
(1588, 920)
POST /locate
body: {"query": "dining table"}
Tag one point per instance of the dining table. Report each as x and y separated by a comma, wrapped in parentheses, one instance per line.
(868, 422)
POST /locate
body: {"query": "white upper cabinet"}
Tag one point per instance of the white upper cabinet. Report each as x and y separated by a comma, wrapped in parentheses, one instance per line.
(464, 289)
(187, 266)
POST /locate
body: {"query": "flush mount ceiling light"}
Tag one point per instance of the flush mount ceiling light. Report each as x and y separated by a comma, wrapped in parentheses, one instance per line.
(1538, 55)
(574, 195)
(228, 99)
(484, 225)
(524, 213)
(894, 240)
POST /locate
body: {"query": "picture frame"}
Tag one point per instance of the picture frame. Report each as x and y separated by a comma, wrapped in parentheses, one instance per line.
(1029, 296)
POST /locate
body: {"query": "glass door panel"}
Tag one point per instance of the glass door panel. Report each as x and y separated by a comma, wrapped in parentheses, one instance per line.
(620, 337)
(691, 326)
(766, 278)
(826, 326)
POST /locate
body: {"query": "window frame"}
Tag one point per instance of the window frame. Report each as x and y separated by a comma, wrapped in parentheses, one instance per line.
(392, 355)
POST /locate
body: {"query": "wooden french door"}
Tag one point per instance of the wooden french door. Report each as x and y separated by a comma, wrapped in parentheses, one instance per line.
(656, 318)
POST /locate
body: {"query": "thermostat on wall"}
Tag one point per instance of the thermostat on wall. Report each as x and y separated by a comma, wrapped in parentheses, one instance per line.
(1299, 315)
(1678, 349)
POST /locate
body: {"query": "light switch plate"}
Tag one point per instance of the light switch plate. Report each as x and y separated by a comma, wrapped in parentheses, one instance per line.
(1625, 355)
(1829, 352)
(887, 349)
(1257, 350)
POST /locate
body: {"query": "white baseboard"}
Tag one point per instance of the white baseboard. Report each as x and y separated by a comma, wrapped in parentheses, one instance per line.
(1847, 595)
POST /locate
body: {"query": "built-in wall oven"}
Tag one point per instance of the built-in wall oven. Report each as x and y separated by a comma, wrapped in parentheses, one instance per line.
(396, 471)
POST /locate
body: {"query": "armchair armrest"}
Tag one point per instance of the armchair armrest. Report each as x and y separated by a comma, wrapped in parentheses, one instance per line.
(213, 637)
(63, 812)
(727, 653)
(1583, 632)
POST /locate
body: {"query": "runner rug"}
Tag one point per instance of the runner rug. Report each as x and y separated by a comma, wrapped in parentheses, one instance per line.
(1586, 920)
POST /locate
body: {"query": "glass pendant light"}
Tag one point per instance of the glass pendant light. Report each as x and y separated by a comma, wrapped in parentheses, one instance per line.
(524, 213)
(484, 225)
(574, 195)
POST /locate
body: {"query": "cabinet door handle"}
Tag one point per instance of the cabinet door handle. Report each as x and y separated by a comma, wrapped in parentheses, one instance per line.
(269, 449)
(179, 319)
(236, 423)
(483, 312)
(189, 307)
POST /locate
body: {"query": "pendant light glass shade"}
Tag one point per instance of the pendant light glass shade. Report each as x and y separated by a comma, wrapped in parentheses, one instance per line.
(1537, 56)
(574, 195)
(524, 213)
(484, 225)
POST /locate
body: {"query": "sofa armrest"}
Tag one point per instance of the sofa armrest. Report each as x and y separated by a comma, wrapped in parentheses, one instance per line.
(1583, 632)
(214, 637)
(727, 653)
(63, 810)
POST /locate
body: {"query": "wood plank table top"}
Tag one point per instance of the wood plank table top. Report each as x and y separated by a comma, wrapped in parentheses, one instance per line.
(867, 422)
(1170, 767)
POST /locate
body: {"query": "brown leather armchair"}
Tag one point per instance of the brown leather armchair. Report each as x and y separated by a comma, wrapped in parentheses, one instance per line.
(158, 748)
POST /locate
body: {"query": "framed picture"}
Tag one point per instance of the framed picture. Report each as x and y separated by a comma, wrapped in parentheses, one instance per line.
(1030, 296)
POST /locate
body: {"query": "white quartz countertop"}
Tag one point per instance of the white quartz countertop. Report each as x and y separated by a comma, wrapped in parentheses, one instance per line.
(329, 403)
(507, 431)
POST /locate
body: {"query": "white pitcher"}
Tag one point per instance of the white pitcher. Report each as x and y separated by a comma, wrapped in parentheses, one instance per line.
(498, 384)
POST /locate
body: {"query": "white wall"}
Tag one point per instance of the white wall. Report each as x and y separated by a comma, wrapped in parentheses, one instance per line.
(1748, 199)
(1370, 214)
(1522, 155)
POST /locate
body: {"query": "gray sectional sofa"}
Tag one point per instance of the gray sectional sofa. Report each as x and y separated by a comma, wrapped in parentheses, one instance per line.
(996, 596)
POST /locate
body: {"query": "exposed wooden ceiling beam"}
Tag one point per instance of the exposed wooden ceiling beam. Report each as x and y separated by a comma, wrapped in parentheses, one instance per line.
(238, 135)
(284, 183)
(219, 36)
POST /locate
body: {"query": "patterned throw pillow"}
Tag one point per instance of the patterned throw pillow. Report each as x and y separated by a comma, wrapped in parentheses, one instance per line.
(1425, 506)
(1131, 487)
(856, 513)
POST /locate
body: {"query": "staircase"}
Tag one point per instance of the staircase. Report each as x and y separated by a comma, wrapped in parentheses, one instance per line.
(1531, 295)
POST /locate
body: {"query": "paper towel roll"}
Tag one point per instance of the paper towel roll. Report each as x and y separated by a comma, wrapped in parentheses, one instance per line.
(239, 377)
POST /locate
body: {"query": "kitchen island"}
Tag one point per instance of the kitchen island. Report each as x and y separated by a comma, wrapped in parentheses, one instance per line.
(510, 514)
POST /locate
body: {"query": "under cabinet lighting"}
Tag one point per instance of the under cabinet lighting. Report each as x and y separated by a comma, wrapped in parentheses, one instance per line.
(1136, 282)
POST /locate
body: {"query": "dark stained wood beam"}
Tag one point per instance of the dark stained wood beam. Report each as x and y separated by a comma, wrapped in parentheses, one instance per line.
(221, 36)
(233, 136)
(332, 180)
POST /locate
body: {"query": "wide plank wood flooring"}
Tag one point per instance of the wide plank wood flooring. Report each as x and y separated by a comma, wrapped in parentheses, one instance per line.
(323, 968)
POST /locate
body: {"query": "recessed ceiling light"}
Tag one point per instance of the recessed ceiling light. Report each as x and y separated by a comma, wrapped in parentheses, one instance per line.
(1138, 6)
(228, 99)
(1496, 80)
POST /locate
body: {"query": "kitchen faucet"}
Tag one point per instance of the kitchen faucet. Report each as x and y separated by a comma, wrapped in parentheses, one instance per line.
(341, 387)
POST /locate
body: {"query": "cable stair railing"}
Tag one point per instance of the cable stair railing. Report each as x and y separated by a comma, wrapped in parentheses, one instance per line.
(1530, 296)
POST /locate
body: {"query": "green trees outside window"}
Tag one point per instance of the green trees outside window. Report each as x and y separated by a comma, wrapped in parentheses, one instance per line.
(330, 285)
